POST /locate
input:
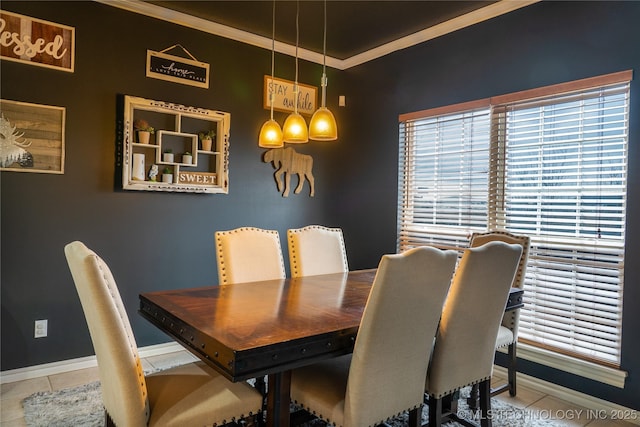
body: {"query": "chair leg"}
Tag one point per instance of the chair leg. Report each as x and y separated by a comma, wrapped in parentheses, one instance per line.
(435, 412)
(260, 385)
(108, 422)
(511, 374)
(472, 400)
(485, 403)
(512, 369)
(415, 417)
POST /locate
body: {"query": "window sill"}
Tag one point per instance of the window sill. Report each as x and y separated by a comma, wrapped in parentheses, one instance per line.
(603, 374)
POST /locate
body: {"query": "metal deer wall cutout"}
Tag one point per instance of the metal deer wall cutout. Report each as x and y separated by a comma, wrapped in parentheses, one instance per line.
(287, 161)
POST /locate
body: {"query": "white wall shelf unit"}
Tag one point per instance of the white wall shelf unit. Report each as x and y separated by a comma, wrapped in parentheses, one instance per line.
(176, 130)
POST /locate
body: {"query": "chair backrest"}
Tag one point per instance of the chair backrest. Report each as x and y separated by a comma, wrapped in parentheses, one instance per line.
(479, 239)
(316, 250)
(511, 319)
(249, 254)
(395, 338)
(465, 343)
(124, 390)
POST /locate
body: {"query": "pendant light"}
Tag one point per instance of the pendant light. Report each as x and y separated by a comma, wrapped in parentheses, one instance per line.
(270, 133)
(322, 126)
(295, 127)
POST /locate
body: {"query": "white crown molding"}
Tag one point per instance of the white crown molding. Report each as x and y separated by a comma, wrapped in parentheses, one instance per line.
(479, 15)
(495, 9)
(214, 28)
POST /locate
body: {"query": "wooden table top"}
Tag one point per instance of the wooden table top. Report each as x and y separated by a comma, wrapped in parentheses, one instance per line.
(249, 329)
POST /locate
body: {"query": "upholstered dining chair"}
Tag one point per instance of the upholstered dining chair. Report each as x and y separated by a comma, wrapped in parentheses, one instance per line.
(248, 254)
(315, 249)
(187, 395)
(508, 330)
(465, 342)
(384, 375)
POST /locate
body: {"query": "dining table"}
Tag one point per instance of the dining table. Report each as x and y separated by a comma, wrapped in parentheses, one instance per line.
(268, 328)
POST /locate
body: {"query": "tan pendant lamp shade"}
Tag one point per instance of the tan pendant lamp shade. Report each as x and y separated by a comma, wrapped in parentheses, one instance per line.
(322, 126)
(295, 129)
(270, 133)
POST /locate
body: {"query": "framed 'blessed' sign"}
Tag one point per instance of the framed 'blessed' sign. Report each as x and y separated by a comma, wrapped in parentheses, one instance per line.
(36, 42)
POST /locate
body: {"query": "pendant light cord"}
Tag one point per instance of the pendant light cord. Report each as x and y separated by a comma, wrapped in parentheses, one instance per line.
(273, 50)
(324, 40)
(295, 88)
(323, 83)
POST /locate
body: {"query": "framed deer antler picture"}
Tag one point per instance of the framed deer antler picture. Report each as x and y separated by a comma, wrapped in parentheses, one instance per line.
(31, 137)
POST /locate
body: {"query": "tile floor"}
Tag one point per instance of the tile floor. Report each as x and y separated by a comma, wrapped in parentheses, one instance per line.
(12, 394)
(533, 404)
(529, 402)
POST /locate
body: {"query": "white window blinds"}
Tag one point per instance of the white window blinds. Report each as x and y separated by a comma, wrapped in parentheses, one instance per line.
(566, 188)
(443, 178)
(551, 164)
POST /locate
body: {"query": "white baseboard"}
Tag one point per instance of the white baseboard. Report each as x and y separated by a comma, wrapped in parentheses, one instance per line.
(574, 397)
(569, 395)
(53, 368)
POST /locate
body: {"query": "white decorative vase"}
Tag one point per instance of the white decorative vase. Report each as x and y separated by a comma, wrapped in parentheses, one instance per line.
(143, 137)
(167, 177)
(137, 168)
(187, 159)
(167, 157)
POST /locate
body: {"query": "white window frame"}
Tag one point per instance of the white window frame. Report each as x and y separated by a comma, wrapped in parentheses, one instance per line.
(416, 226)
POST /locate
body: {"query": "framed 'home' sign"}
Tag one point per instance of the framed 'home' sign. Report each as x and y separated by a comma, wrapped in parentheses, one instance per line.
(36, 42)
(161, 65)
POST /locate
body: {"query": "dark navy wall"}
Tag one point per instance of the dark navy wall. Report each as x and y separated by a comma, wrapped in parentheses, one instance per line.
(542, 44)
(150, 240)
(160, 241)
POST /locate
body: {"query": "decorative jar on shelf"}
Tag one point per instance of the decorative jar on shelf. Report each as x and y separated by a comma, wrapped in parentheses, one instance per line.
(206, 144)
(187, 158)
(167, 156)
(137, 167)
(167, 176)
(206, 138)
(144, 136)
(144, 130)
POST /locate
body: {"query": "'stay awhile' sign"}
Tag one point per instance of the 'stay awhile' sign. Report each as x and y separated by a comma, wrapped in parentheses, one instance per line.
(36, 42)
(283, 97)
(163, 66)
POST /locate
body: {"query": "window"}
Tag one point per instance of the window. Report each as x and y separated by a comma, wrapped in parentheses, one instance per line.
(550, 163)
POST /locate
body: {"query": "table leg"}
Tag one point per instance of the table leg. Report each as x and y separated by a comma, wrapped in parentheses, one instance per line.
(278, 399)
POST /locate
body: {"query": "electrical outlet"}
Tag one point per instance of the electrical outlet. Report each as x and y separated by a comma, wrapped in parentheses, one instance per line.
(41, 328)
